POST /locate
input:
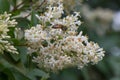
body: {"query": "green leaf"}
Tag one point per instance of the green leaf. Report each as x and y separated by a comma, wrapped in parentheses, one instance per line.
(9, 73)
(23, 54)
(36, 72)
(4, 6)
(16, 12)
(11, 32)
(13, 72)
(34, 19)
(23, 23)
(115, 78)
(18, 75)
(85, 74)
(16, 57)
(102, 67)
(13, 2)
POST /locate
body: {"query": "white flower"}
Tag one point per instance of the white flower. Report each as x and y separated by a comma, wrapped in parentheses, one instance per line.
(19, 33)
(5, 23)
(35, 34)
(52, 13)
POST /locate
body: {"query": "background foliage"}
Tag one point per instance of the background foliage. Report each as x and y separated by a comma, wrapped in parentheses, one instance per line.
(19, 67)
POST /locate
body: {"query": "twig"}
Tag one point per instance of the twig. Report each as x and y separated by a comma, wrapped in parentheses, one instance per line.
(36, 8)
(40, 5)
(16, 7)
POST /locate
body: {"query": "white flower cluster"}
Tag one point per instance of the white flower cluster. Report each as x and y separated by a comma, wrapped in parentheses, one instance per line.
(5, 23)
(57, 44)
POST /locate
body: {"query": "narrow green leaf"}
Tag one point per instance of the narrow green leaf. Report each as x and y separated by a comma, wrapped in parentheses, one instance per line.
(85, 74)
(36, 72)
(23, 54)
(34, 19)
(13, 72)
(16, 57)
(9, 73)
(13, 2)
(18, 75)
(23, 23)
(4, 6)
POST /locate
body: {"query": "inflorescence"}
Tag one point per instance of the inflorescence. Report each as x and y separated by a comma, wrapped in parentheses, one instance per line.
(5, 24)
(58, 44)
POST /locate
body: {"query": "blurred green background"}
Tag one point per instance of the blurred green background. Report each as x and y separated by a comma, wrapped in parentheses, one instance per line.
(99, 23)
